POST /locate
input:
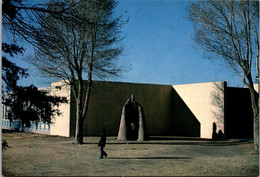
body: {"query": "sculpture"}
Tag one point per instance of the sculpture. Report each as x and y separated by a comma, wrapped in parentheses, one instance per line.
(132, 124)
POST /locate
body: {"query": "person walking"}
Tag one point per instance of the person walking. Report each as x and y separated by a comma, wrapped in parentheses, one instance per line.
(102, 144)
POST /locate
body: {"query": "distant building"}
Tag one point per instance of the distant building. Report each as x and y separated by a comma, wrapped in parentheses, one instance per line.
(203, 110)
(16, 124)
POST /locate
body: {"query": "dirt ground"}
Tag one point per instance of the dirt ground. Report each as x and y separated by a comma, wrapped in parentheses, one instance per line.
(45, 155)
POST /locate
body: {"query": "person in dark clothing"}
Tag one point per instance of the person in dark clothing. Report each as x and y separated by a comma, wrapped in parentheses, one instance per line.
(102, 143)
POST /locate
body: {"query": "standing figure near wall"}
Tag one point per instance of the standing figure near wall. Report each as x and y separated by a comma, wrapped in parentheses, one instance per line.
(132, 124)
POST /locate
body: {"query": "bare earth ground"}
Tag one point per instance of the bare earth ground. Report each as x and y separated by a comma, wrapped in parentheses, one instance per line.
(45, 155)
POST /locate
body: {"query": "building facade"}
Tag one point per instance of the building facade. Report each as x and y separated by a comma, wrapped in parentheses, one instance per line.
(190, 110)
(203, 110)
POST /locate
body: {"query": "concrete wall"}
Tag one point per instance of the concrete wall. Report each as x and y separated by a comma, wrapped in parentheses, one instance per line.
(175, 110)
(206, 103)
(178, 110)
(108, 98)
(61, 124)
(184, 122)
(239, 113)
(256, 87)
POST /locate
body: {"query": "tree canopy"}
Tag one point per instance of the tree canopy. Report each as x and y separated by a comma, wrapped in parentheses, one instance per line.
(80, 42)
(229, 30)
(25, 103)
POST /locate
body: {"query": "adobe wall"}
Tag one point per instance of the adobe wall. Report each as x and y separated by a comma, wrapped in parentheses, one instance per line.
(179, 110)
(108, 98)
(61, 124)
(205, 103)
(239, 113)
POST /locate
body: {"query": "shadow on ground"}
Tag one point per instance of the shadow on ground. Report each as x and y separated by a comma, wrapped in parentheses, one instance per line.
(199, 143)
(160, 158)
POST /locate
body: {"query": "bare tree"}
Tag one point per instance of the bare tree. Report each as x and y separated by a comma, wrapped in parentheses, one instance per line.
(230, 30)
(26, 103)
(20, 17)
(75, 49)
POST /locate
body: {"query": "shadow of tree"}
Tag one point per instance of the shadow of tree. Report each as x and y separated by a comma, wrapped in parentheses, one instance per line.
(218, 100)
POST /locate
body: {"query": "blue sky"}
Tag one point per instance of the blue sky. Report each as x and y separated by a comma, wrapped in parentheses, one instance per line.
(159, 49)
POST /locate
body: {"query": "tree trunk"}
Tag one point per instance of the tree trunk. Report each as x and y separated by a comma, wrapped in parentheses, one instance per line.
(78, 135)
(87, 95)
(78, 139)
(82, 108)
(255, 108)
(256, 128)
(256, 123)
(256, 120)
(79, 117)
(256, 134)
(89, 86)
(36, 125)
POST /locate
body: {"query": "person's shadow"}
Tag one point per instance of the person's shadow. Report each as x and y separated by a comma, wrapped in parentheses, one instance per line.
(215, 135)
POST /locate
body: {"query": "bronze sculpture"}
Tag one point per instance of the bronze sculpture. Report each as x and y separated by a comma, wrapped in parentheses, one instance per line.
(132, 124)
